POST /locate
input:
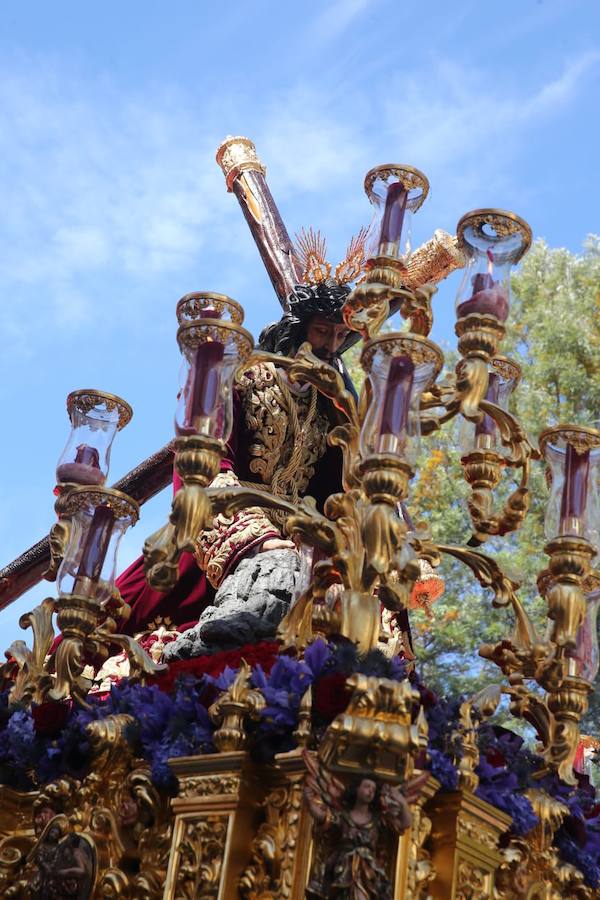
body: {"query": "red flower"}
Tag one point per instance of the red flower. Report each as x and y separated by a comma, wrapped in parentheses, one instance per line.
(331, 695)
(49, 718)
(495, 758)
(263, 654)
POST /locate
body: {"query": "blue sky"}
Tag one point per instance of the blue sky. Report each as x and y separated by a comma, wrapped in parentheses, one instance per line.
(113, 206)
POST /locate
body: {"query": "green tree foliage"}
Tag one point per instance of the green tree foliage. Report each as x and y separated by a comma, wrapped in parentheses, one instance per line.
(554, 334)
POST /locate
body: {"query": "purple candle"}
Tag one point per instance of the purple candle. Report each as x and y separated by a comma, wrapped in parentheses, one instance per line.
(84, 470)
(488, 299)
(575, 488)
(396, 403)
(487, 426)
(204, 380)
(393, 216)
(95, 549)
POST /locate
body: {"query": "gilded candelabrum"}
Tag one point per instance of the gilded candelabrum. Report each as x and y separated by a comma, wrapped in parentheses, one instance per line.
(214, 346)
(368, 553)
(87, 607)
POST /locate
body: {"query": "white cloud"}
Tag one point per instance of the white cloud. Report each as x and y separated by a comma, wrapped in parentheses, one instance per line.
(560, 90)
(337, 17)
(100, 185)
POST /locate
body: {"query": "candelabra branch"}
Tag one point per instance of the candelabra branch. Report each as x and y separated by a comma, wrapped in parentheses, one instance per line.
(483, 467)
(197, 462)
(309, 369)
(487, 572)
(88, 634)
(415, 306)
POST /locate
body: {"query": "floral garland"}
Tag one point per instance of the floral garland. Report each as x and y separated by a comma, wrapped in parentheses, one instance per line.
(171, 719)
(507, 768)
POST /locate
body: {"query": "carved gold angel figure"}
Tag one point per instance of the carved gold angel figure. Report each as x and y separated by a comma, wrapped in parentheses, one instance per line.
(352, 820)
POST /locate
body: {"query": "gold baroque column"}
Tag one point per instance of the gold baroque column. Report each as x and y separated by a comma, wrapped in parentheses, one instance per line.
(464, 845)
(281, 850)
(215, 818)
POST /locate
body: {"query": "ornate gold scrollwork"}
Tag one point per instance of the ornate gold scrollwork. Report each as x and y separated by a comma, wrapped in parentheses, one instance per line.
(416, 307)
(526, 656)
(483, 469)
(32, 681)
(376, 735)
(59, 534)
(485, 702)
(197, 461)
(229, 712)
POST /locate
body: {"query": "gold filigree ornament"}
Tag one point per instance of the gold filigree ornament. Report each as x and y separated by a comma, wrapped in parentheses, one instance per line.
(412, 179)
(433, 261)
(32, 679)
(236, 155)
(502, 223)
(233, 707)
(85, 400)
(376, 735)
(197, 304)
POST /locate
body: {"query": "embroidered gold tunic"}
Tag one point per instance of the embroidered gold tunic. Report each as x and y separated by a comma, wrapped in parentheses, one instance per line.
(282, 435)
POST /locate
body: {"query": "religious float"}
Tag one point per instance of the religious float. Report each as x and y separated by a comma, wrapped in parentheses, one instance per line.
(286, 748)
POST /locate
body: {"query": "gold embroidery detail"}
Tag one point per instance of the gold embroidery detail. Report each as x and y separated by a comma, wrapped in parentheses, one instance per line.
(216, 547)
(272, 416)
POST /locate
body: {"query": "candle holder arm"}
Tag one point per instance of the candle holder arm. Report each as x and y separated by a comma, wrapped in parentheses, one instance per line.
(197, 462)
(487, 572)
(59, 533)
(525, 656)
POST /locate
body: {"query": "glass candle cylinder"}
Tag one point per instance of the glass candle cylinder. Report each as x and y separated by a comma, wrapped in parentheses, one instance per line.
(573, 456)
(399, 368)
(212, 351)
(95, 419)
(504, 375)
(100, 517)
(208, 305)
(396, 192)
(492, 241)
(586, 651)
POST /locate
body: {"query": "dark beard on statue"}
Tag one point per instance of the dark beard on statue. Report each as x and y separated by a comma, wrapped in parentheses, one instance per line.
(325, 355)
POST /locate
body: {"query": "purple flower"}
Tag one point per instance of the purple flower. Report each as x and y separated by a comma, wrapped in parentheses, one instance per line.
(442, 768)
(316, 655)
(578, 857)
(223, 681)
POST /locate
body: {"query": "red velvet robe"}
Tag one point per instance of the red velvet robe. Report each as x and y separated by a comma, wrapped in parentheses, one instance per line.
(193, 592)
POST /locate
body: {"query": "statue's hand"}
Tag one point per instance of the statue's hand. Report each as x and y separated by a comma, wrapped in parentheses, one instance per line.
(277, 544)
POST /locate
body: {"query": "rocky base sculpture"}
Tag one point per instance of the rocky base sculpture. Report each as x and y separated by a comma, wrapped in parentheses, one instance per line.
(248, 607)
